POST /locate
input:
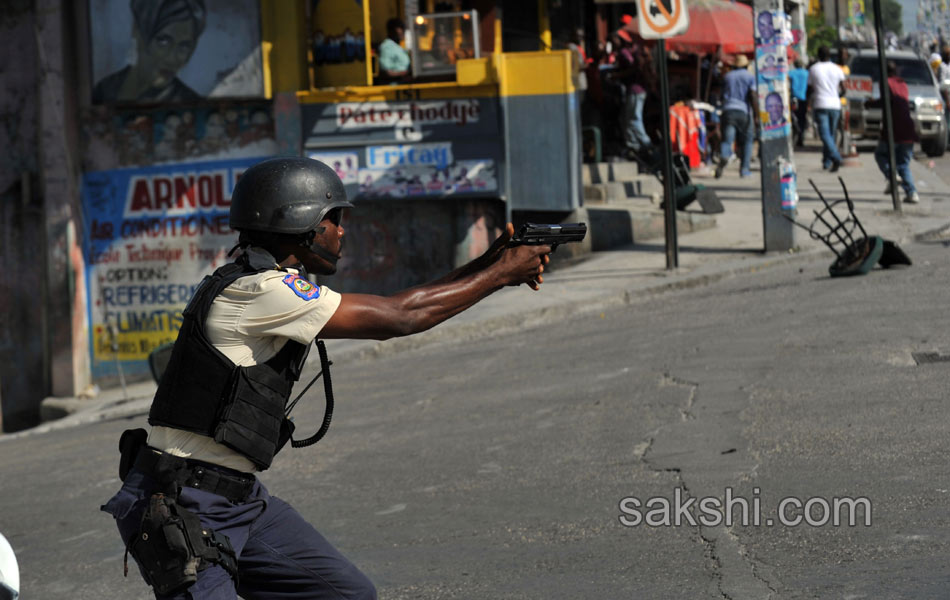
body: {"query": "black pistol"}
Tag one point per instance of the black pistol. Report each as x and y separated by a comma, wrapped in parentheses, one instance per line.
(534, 234)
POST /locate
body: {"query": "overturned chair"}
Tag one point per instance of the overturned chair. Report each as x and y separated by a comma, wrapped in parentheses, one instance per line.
(856, 252)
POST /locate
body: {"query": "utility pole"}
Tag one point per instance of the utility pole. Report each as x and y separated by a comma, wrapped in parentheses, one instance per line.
(838, 26)
(779, 185)
(659, 21)
(669, 182)
(885, 89)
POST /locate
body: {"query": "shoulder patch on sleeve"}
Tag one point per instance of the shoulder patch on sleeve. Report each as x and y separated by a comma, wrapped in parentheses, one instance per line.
(302, 287)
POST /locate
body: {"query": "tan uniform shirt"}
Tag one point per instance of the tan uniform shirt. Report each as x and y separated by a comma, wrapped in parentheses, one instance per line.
(249, 322)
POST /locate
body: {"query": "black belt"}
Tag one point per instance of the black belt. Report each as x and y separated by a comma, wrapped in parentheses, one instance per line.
(166, 468)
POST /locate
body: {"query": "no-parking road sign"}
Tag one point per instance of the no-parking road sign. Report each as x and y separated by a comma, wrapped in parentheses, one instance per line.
(662, 18)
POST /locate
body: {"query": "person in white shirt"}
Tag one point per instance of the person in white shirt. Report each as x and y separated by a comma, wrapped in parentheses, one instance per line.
(825, 83)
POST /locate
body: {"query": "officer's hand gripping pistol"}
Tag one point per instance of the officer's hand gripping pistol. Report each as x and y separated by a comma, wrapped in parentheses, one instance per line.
(534, 234)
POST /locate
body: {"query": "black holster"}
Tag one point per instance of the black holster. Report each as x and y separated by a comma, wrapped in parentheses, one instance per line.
(172, 547)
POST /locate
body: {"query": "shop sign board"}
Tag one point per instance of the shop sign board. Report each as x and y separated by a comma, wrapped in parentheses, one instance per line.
(151, 235)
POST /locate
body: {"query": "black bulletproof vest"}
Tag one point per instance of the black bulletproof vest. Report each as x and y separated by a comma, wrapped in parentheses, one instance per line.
(204, 392)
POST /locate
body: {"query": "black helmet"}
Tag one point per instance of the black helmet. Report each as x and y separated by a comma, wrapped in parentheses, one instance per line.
(285, 195)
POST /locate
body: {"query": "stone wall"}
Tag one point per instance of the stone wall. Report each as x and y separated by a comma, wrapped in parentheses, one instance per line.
(22, 374)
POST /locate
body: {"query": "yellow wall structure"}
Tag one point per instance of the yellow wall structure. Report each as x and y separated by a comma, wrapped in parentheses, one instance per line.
(284, 46)
(340, 20)
(381, 11)
(534, 73)
(509, 74)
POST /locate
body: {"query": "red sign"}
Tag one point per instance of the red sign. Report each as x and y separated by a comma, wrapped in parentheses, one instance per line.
(858, 86)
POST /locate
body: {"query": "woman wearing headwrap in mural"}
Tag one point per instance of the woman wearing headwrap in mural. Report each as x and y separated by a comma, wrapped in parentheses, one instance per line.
(165, 33)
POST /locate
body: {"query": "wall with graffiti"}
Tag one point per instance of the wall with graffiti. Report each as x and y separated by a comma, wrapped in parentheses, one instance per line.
(159, 162)
(414, 148)
(390, 245)
(425, 174)
(173, 51)
(138, 137)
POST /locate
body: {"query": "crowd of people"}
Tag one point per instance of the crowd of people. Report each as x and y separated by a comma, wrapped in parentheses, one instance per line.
(619, 90)
(714, 120)
(620, 96)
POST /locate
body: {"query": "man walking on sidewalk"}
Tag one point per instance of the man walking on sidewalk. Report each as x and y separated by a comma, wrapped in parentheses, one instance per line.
(738, 124)
(904, 135)
(798, 78)
(637, 74)
(825, 79)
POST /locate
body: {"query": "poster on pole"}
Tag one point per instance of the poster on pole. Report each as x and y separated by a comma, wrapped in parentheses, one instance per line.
(773, 34)
(660, 19)
(856, 12)
(775, 116)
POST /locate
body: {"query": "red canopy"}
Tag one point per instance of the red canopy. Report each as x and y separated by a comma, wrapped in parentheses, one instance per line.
(712, 24)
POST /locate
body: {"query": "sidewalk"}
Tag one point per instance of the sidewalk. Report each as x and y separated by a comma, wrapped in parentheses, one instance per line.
(619, 277)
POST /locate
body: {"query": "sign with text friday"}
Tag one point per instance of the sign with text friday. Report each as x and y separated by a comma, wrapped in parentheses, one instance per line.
(151, 235)
(438, 155)
(660, 19)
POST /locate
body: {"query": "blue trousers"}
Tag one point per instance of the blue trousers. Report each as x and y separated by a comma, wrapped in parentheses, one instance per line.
(903, 154)
(827, 120)
(801, 119)
(280, 555)
(635, 134)
(738, 126)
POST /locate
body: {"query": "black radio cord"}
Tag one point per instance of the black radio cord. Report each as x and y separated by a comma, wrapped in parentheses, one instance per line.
(328, 392)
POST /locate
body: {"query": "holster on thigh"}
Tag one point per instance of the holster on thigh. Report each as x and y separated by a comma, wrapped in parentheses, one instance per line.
(172, 547)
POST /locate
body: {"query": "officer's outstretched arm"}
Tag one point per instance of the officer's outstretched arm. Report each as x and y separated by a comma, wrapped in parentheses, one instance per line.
(420, 308)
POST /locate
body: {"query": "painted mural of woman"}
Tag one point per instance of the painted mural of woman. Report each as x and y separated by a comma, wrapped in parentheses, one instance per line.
(165, 33)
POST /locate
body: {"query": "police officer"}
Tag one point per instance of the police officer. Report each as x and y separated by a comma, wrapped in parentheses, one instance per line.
(191, 511)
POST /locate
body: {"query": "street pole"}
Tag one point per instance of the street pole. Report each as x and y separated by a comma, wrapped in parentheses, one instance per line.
(669, 185)
(886, 99)
(779, 194)
(838, 27)
(658, 21)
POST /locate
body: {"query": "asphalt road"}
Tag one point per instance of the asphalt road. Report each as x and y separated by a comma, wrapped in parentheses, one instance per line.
(940, 166)
(494, 468)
